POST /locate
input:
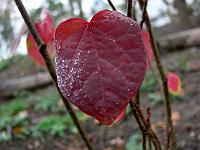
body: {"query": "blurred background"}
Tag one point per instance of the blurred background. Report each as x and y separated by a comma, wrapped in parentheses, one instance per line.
(32, 115)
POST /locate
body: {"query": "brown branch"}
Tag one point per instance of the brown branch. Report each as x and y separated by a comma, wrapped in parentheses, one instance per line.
(134, 11)
(111, 5)
(144, 17)
(42, 49)
(149, 142)
(137, 98)
(169, 133)
(144, 141)
(129, 10)
(161, 72)
(144, 127)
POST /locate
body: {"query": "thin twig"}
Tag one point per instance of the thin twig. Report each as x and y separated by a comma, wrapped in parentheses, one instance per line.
(137, 98)
(138, 119)
(42, 49)
(161, 72)
(129, 10)
(137, 111)
(169, 133)
(143, 125)
(111, 5)
(144, 141)
(149, 142)
(143, 13)
(134, 11)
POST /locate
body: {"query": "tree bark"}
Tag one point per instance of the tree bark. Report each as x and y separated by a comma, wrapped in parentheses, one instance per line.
(180, 39)
(184, 14)
(9, 87)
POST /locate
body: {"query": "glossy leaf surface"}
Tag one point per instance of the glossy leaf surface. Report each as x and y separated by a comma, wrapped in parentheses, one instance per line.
(100, 64)
(45, 29)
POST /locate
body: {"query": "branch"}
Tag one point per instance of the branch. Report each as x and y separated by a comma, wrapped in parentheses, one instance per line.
(169, 133)
(135, 107)
(144, 141)
(111, 5)
(42, 49)
(134, 10)
(144, 17)
(129, 10)
(161, 72)
(144, 127)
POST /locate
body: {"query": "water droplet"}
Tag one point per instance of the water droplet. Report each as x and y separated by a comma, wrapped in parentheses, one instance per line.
(58, 47)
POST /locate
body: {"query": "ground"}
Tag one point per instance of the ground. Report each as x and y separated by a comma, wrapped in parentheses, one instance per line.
(40, 124)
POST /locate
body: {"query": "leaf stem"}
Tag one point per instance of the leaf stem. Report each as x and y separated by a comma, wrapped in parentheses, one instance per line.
(42, 49)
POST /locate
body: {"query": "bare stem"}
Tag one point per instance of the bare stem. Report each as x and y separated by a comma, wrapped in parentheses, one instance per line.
(149, 142)
(135, 107)
(143, 13)
(129, 10)
(169, 133)
(137, 98)
(144, 141)
(144, 127)
(111, 5)
(134, 10)
(161, 72)
(42, 49)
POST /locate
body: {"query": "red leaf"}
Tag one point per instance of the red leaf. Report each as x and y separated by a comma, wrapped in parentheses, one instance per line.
(120, 116)
(174, 84)
(100, 64)
(45, 29)
(148, 49)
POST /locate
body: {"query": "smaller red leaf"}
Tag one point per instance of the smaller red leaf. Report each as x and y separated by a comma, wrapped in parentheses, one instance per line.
(121, 115)
(148, 47)
(174, 84)
(45, 29)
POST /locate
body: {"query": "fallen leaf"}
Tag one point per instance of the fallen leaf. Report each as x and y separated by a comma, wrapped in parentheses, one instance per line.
(174, 84)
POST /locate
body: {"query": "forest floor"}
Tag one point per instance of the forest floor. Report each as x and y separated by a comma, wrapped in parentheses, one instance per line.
(34, 119)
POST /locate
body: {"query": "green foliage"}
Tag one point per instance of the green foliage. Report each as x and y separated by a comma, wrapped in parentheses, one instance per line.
(155, 99)
(149, 83)
(134, 142)
(4, 64)
(48, 102)
(182, 64)
(21, 94)
(14, 125)
(53, 124)
(12, 118)
(13, 107)
(56, 125)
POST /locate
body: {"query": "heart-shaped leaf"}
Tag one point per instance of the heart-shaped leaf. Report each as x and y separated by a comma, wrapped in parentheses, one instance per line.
(100, 64)
(46, 30)
(174, 84)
